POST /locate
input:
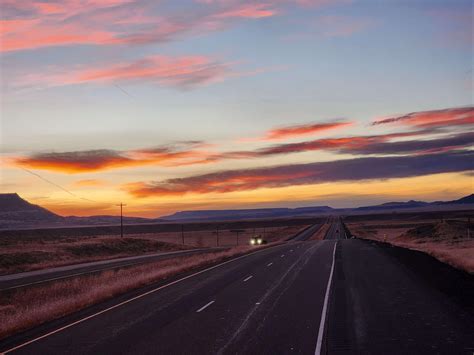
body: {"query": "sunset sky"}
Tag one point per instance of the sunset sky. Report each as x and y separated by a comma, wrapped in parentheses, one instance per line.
(210, 104)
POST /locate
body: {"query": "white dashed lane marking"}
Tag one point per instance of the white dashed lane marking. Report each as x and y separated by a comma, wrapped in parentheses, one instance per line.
(205, 306)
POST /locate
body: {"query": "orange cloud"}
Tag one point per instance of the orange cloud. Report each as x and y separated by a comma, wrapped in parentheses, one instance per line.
(89, 183)
(99, 160)
(192, 153)
(76, 162)
(459, 116)
(304, 130)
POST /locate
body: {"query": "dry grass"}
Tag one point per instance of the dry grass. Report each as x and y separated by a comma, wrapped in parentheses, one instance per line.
(445, 240)
(33, 253)
(28, 307)
(321, 232)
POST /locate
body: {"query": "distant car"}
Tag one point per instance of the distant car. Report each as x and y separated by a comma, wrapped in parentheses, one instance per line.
(257, 240)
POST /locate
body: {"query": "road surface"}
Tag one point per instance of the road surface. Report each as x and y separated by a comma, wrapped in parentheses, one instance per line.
(334, 296)
(336, 230)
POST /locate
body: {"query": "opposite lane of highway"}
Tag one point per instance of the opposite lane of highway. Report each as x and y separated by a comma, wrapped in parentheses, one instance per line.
(234, 314)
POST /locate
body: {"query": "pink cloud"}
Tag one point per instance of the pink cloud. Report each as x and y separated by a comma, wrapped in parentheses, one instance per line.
(299, 130)
(458, 116)
(33, 36)
(304, 130)
(181, 72)
(119, 22)
(34, 24)
(248, 11)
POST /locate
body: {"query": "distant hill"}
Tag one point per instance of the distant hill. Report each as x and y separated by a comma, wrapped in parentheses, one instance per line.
(188, 216)
(16, 213)
(395, 205)
(462, 201)
(246, 213)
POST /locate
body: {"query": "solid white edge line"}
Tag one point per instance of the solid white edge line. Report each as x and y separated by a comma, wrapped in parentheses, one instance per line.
(248, 278)
(130, 300)
(269, 264)
(205, 306)
(319, 342)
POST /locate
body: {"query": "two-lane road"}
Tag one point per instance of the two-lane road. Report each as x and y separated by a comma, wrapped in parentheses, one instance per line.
(335, 296)
(267, 302)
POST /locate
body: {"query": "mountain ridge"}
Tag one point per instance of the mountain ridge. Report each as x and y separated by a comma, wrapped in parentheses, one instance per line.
(15, 212)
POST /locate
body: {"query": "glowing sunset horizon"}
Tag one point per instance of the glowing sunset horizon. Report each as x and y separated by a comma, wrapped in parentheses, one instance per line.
(232, 104)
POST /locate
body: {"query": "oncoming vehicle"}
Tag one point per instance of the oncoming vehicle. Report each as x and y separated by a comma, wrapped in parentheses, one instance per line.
(257, 240)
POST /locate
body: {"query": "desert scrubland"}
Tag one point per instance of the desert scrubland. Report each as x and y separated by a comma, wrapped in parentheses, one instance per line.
(447, 236)
(38, 251)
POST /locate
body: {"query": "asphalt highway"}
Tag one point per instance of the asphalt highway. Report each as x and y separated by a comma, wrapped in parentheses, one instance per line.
(334, 296)
(336, 230)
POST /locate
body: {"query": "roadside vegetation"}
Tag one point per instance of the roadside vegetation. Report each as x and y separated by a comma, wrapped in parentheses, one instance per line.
(321, 232)
(18, 254)
(450, 240)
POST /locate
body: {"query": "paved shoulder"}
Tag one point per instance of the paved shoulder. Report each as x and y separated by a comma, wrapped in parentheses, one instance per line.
(389, 300)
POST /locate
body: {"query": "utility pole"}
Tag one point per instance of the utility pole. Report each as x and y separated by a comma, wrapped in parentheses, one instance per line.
(121, 218)
(217, 235)
(182, 233)
(468, 227)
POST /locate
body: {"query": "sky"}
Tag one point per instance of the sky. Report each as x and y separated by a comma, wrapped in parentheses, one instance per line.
(217, 104)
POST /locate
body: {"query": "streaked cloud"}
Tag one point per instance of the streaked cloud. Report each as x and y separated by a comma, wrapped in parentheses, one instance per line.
(198, 153)
(33, 24)
(458, 116)
(104, 159)
(301, 130)
(357, 169)
(184, 72)
(76, 162)
(245, 10)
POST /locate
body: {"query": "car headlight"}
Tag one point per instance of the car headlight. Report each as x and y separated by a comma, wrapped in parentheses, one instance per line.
(259, 241)
(252, 241)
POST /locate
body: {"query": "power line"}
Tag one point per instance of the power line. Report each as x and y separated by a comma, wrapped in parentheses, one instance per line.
(58, 186)
(124, 91)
